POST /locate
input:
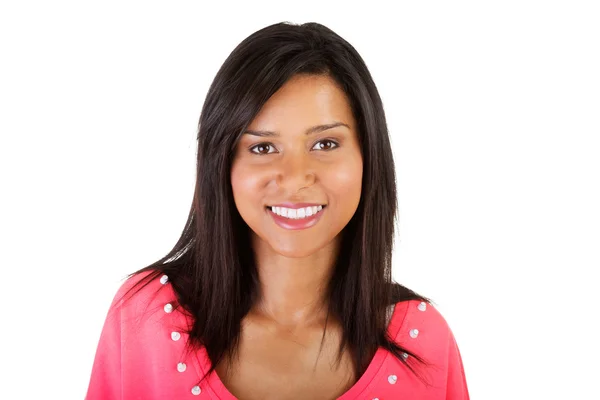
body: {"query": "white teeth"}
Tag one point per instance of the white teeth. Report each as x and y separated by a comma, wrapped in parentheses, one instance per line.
(296, 213)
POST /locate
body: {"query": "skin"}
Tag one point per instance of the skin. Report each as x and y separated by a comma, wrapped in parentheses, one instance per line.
(282, 334)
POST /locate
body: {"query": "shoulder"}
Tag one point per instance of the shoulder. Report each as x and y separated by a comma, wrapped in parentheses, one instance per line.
(429, 316)
(140, 290)
(141, 349)
(144, 320)
(427, 333)
(145, 280)
(142, 300)
(423, 315)
(421, 331)
(421, 327)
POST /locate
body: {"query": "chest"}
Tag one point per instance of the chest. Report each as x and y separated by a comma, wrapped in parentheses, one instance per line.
(279, 365)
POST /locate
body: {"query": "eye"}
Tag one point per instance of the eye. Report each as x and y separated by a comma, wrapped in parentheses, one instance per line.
(261, 146)
(326, 148)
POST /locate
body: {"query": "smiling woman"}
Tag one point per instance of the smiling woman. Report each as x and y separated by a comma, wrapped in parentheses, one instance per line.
(280, 286)
(309, 162)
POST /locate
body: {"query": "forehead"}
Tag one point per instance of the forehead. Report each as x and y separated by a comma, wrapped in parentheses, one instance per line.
(304, 100)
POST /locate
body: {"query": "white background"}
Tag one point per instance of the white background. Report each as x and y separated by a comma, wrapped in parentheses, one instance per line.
(493, 109)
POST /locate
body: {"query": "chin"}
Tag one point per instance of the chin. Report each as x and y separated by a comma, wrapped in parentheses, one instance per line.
(294, 249)
(294, 252)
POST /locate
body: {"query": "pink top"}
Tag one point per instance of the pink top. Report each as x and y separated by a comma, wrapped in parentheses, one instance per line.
(140, 355)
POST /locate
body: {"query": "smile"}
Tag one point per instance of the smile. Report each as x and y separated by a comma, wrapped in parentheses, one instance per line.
(293, 219)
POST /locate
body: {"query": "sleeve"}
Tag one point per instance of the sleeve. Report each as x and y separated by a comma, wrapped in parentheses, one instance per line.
(106, 381)
(456, 387)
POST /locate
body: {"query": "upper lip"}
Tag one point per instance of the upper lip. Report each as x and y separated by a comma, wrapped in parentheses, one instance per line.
(295, 205)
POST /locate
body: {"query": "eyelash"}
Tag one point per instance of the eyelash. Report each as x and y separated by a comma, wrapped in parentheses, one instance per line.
(270, 144)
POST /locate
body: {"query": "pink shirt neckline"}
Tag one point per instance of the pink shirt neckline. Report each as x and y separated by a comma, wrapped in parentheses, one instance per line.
(220, 391)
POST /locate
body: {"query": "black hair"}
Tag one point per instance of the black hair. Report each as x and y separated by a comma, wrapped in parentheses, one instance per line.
(211, 267)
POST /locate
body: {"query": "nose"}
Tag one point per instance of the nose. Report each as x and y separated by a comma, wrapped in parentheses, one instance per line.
(295, 172)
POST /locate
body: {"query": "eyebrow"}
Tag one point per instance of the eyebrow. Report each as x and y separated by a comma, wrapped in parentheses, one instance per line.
(314, 129)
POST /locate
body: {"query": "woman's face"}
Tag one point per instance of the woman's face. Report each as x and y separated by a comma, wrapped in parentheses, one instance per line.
(296, 164)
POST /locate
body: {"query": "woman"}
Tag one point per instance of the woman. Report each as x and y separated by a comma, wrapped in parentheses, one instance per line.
(280, 286)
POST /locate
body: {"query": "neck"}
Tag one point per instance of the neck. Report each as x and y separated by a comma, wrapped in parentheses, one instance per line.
(293, 291)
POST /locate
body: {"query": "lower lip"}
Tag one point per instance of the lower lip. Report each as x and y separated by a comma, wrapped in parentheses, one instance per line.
(295, 224)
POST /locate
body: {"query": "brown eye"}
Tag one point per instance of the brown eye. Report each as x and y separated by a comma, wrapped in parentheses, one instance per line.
(327, 146)
(261, 148)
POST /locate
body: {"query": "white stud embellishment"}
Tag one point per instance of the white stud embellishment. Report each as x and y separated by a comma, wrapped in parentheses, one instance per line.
(175, 336)
(405, 355)
(414, 333)
(164, 279)
(422, 306)
(168, 307)
(181, 367)
(196, 390)
(392, 379)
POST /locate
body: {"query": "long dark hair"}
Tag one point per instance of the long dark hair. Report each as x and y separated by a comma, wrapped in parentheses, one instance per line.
(212, 269)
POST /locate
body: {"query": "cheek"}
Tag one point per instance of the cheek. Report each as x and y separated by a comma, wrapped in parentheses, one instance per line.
(345, 182)
(245, 185)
